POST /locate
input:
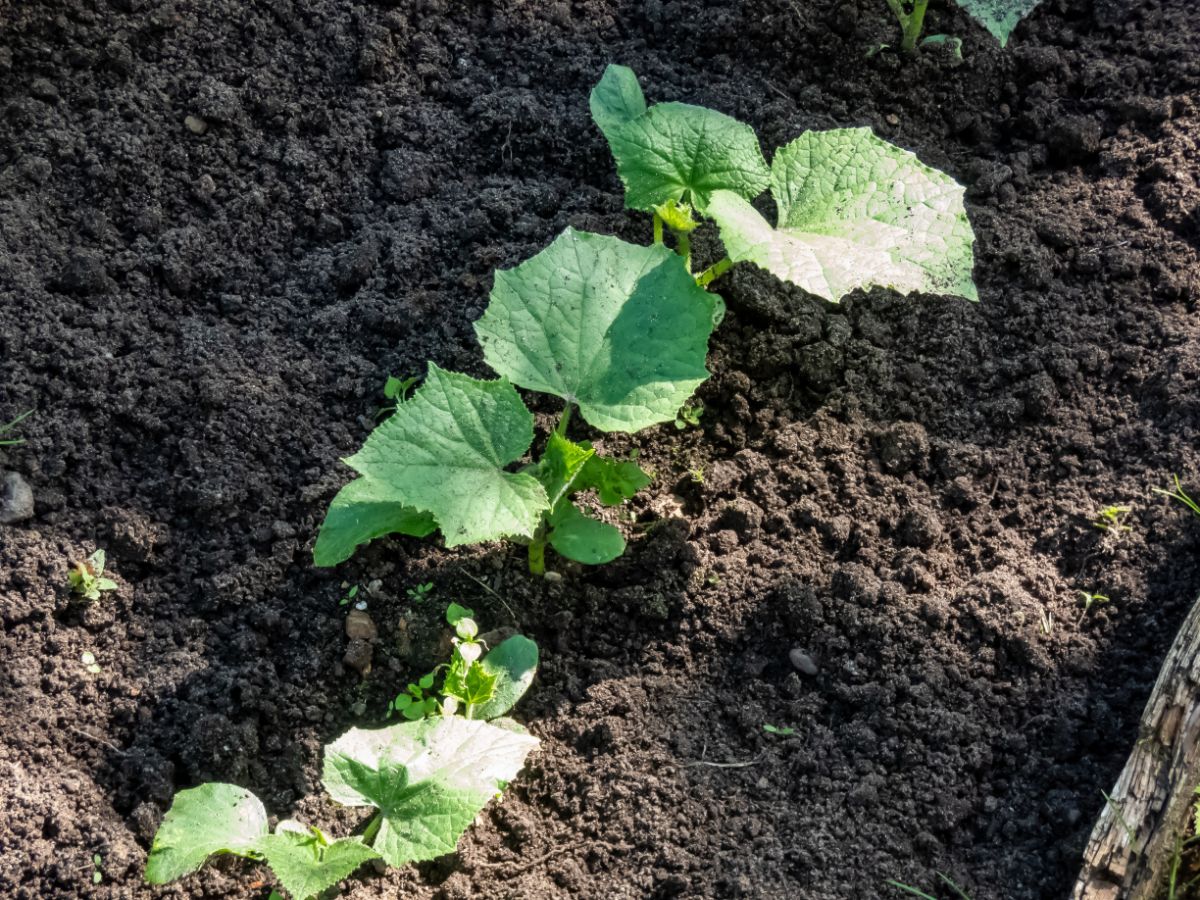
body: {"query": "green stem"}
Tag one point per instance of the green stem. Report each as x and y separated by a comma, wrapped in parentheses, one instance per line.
(372, 829)
(683, 246)
(913, 23)
(537, 554)
(713, 272)
(658, 229)
(561, 428)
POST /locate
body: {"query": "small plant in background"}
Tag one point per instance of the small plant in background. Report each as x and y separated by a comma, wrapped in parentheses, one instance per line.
(97, 868)
(1090, 600)
(420, 593)
(87, 578)
(1179, 494)
(689, 414)
(427, 778)
(349, 596)
(782, 732)
(396, 390)
(999, 17)
(8, 428)
(88, 658)
(1111, 520)
(416, 702)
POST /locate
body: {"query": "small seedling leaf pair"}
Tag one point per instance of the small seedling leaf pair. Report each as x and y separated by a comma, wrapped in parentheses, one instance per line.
(853, 210)
(87, 578)
(617, 330)
(428, 779)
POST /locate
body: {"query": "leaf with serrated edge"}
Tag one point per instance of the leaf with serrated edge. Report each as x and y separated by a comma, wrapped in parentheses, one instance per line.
(514, 663)
(619, 329)
(676, 151)
(854, 211)
(202, 822)
(583, 539)
(560, 466)
(443, 452)
(356, 516)
(429, 779)
(305, 866)
(617, 99)
(999, 17)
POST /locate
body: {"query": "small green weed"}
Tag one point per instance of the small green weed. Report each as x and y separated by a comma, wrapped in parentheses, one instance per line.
(1180, 495)
(782, 732)
(97, 868)
(8, 427)
(1111, 519)
(420, 593)
(349, 595)
(1090, 600)
(88, 658)
(919, 893)
(689, 414)
(87, 578)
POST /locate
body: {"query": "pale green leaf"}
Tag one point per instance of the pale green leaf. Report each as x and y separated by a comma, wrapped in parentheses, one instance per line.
(614, 480)
(617, 99)
(306, 864)
(560, 465)
(202, 822)
(582, 538)
(429, 779)
(514, 663)
(854, 211)
(361, 512)
(619, 329)
(676, 151)
(999, 17)
(443, 453)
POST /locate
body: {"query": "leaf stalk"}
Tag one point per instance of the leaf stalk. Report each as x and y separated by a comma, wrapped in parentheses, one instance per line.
(658, 229)
(713, 272)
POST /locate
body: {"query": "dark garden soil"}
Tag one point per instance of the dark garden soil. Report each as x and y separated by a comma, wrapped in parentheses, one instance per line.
(901, 489)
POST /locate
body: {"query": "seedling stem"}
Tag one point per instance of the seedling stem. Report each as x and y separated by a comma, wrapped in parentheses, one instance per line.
(713, 272)
(658, 229)
(910, 22)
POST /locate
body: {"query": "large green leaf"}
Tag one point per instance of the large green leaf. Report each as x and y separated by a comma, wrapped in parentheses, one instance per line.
(854, 211)
(618, 329)
(429, 779)
(306, 863)
(580, 537)
(514, 663)
(203, 821)
(362, 511)
(441, 453)
(617, 99)
(999, 17)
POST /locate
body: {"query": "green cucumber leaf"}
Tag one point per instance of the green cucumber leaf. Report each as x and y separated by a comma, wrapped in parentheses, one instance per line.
(618, 329)
(614, 480)
(514, 662)
(617, 99)
(470, 684)
(854, 211)
(999, 17)
(582, 538)
(429, 779)
(560, 465)
(674, 151)
(202, 822)
(443, 453)
(361, 512)
(306, 863)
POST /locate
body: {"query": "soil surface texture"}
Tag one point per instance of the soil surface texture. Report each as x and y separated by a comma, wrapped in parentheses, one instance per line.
(223, 224)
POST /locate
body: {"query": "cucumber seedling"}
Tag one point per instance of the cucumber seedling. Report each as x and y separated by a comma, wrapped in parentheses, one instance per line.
(427, 780)
(87, 579)
(999, 17)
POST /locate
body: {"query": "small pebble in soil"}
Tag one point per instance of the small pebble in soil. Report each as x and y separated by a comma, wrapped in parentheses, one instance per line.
(195, 124)
(16, 499)
(802, 661)
(552, 577)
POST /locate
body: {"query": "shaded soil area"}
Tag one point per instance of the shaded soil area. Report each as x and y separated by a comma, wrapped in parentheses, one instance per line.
(203, 310)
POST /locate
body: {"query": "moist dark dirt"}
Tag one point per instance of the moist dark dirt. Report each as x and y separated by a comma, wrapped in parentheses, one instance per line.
(202, 312)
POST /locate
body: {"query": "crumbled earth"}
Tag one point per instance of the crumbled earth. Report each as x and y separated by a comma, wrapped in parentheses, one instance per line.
(222, 225)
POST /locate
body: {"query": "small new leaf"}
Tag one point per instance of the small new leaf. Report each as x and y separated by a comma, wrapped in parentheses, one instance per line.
(429, 780)
(854, 211)
(441, 459)
(202, 822)
(620, 330)
(999, 17)
(306, 864)
(614, 480)
(513, 662)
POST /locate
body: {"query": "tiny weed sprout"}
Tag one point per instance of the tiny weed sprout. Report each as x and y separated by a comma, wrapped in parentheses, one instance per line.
(97, 868)
(908, 889)
(87, 579)
(8, 428)
(999, 17)
(88, 658)
(396, 390)
(349, 595)
(782, 732)
(1090, 600)
(1111, 519)
(420, 592)
(426, 778)
(1179, 494)
(689, 415)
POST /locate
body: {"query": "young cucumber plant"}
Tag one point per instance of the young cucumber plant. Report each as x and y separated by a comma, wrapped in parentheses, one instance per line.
(427, 780)
(854, 210)
(620, 332)
(999, 17)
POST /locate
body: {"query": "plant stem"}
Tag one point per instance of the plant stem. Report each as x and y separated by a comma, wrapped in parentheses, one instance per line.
(658, 229)
(683, 246)
(713, 272)
(537, 554)
(913, 24)
(372, 829)
(561, 428)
